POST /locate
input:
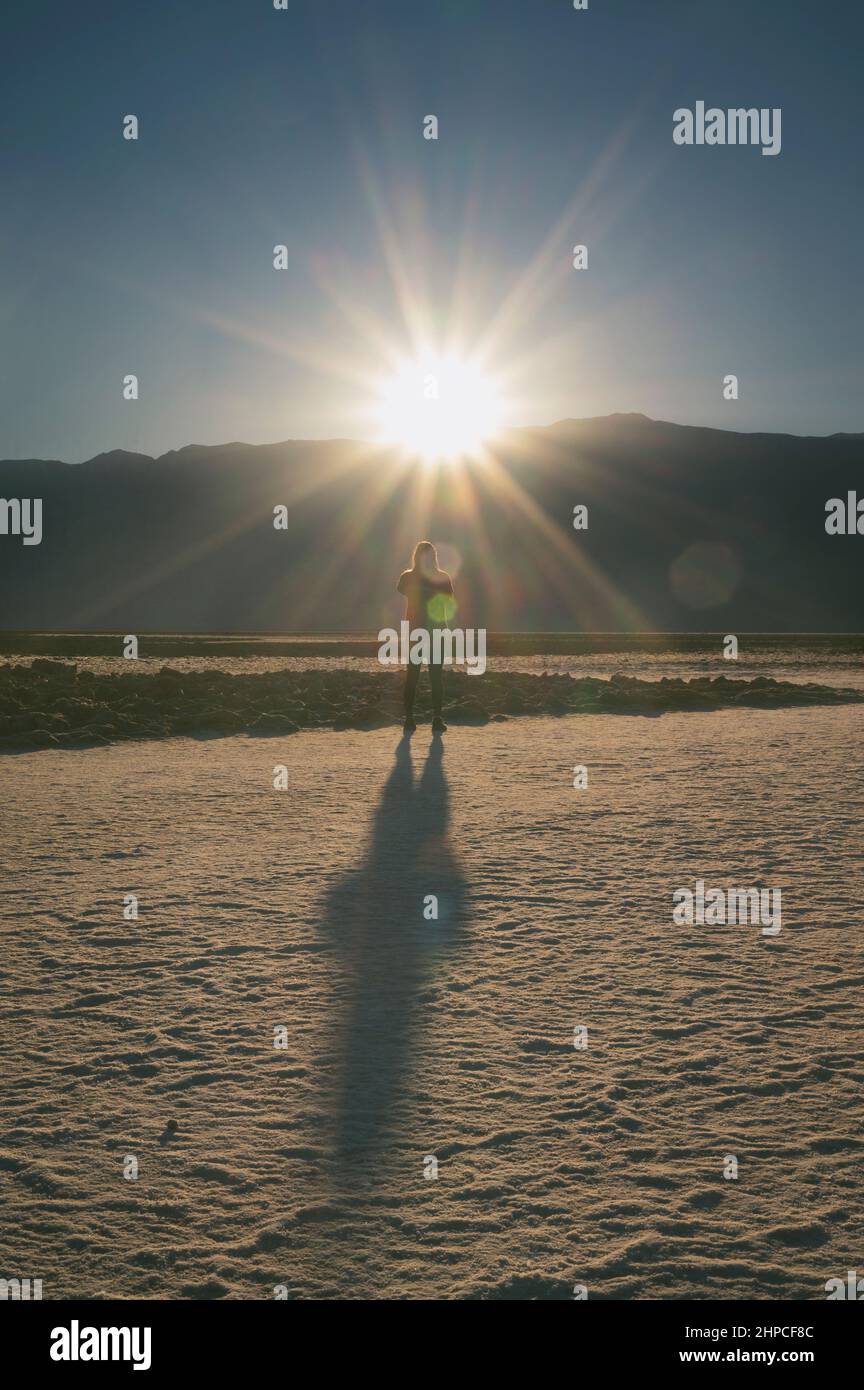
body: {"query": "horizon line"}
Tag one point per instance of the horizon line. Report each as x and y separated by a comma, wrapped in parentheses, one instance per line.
(383, 447)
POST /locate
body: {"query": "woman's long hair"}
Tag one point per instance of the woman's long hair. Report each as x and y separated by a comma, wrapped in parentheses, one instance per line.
(425, 556)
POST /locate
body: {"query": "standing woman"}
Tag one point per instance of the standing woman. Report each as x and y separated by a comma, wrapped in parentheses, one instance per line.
(421, 585)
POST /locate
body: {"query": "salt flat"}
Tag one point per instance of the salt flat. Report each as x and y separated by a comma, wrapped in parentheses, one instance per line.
(408, 1039)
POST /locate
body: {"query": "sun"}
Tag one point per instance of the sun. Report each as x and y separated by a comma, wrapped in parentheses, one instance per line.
(440, 407)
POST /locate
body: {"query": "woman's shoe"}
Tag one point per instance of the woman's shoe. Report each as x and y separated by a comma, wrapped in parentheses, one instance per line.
(409, 727)
(438, 725)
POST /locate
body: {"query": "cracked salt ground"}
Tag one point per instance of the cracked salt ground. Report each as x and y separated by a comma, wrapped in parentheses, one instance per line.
(407, 1038)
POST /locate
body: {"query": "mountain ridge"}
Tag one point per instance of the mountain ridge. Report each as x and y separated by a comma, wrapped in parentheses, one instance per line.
(566, 422)
(688, 527)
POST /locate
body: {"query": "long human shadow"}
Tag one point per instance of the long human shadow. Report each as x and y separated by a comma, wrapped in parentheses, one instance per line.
(379, 919)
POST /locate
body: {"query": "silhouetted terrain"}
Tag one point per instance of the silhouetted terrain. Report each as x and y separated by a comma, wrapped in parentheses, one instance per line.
(186, 542)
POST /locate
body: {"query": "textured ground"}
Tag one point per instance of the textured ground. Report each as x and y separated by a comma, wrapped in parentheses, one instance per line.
(409, 1038)
(55, 704)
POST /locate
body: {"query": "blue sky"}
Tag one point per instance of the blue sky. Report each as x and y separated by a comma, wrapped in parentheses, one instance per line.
(304, 127)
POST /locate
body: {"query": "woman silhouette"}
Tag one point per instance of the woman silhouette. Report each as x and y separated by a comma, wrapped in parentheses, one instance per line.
(425, 586)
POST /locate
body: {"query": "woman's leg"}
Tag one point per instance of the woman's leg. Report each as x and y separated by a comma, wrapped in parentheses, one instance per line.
(436, 680)
(412, 676)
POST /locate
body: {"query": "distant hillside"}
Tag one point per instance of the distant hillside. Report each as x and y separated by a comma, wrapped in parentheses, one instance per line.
(186, 541)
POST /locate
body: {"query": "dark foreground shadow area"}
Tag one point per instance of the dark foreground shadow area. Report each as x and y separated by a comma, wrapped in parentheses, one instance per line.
(379, 919)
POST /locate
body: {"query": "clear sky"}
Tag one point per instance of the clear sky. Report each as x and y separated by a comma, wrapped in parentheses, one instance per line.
(305, 127)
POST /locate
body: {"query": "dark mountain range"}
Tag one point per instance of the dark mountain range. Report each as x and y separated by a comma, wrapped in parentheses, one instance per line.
(688, 529)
